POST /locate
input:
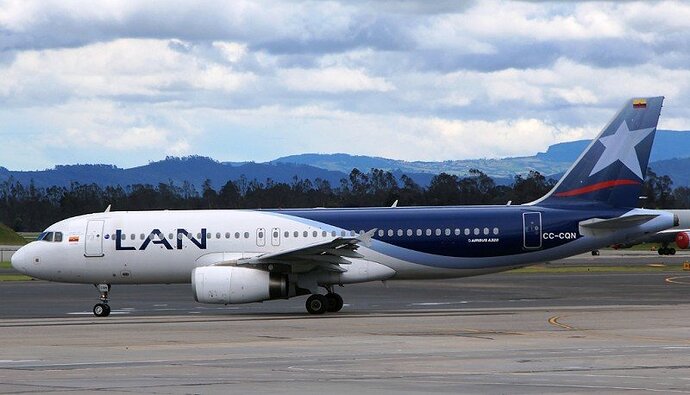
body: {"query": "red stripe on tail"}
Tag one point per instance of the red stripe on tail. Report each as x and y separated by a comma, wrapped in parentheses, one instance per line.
(596, 187)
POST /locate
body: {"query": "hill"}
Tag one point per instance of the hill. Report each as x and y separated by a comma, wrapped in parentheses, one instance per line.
(669, 156)
(10, 237)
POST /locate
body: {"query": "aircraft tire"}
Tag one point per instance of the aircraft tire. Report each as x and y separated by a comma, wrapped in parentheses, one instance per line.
(317, 304)
(662, 251)
(101, 310)
(335, 302)
(672, 251)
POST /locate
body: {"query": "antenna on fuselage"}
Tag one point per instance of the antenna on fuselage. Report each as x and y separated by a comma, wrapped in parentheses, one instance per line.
(395, 203)
(107, 209)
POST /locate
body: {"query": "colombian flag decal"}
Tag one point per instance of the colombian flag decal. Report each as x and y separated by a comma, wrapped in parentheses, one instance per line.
(639, 103)
(73, 239)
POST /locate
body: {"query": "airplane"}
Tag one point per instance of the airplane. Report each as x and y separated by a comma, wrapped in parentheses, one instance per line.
(678, 234)
(243, 256)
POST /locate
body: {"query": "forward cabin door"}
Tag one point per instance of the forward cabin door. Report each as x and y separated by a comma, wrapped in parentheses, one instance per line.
(531, 225)
(93, 243)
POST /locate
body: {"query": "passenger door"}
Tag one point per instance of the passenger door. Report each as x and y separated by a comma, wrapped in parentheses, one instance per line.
(93, 243)
(531, 224)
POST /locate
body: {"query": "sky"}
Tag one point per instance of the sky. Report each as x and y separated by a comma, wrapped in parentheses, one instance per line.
(128, 82)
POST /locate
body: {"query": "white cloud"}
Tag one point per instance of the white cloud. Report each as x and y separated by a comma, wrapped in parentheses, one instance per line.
(332, 80)
(254, 81)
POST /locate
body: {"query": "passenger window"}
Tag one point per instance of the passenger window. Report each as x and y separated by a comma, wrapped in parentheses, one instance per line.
(314, 233)
(134, 237)
(390, 232)
(324, 233)
(400, 232)
(496, 231)
(333, 233)
(246, 235)
(381, 233)
(447, 232)
(428, 232)
(419, 232)
(295, 234)
(486, 231)
(286, 234)
(457, 232)
(476, 231)
(170, 236)
(227, 235)
(438, 232)
(237, 235)
(409, 232)
(305, 234)
(467, 231)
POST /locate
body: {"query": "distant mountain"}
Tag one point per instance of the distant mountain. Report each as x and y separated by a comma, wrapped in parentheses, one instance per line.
(193, 169)
(670, 155)
(556, 160)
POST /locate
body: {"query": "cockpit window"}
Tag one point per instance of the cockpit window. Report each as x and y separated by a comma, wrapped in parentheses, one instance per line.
(50, 236)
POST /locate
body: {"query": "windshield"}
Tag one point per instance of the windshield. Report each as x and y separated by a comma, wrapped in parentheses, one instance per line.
(50, 236)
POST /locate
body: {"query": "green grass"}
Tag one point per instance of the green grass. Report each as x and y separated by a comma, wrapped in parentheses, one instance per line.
(10, 237)
(14, 277)
(29, 236)
(597, 269)
(5, 265)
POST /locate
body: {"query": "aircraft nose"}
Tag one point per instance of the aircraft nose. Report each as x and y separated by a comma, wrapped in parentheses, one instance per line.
(20, 261)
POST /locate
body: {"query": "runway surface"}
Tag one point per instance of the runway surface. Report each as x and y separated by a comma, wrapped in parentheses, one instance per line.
(504, 333)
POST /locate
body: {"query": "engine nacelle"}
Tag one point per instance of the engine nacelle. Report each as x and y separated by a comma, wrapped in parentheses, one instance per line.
(683, 240)
(231, 284)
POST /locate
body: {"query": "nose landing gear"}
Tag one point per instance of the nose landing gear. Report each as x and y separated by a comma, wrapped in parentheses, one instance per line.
(102, 309)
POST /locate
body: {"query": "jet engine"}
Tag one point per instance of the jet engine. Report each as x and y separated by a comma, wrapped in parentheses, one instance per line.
(231, 284)
(683, 240)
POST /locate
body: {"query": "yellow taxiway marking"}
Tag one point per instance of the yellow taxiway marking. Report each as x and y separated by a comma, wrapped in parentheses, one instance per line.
(554, 321)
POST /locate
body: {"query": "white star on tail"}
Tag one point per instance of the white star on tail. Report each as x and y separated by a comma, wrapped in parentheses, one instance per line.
(621, 146)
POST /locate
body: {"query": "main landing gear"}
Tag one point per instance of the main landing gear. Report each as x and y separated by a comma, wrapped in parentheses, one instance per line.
(102, 309)
(666, 250)
(330, 302)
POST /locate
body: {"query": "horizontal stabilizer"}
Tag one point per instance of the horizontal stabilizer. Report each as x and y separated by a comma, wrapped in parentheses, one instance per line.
(598, 226)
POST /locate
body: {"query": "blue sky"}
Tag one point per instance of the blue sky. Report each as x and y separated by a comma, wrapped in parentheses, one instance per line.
(124, 82)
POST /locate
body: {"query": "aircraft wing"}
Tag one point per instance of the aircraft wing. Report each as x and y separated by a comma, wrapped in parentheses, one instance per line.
(328, 254)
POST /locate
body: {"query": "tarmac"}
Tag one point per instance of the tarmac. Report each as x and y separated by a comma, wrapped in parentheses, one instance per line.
(510, 333)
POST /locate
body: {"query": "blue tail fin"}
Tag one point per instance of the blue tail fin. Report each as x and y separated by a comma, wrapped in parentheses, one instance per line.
(612, 169)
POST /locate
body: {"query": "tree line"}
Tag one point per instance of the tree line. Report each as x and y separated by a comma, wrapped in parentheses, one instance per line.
(32, 208)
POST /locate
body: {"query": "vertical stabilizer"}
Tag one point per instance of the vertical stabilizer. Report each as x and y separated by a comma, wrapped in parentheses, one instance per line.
(612, 168)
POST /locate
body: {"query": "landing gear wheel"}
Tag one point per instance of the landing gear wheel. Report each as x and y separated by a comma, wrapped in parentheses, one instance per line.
(672, 251)
(595, 253)
(101, 310)
(317, 304)
(335, 302)
(662, 251)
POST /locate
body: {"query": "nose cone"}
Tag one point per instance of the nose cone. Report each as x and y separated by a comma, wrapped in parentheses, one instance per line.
(20, 261)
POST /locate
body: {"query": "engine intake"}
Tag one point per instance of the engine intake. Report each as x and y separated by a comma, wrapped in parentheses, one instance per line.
(231, 285)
